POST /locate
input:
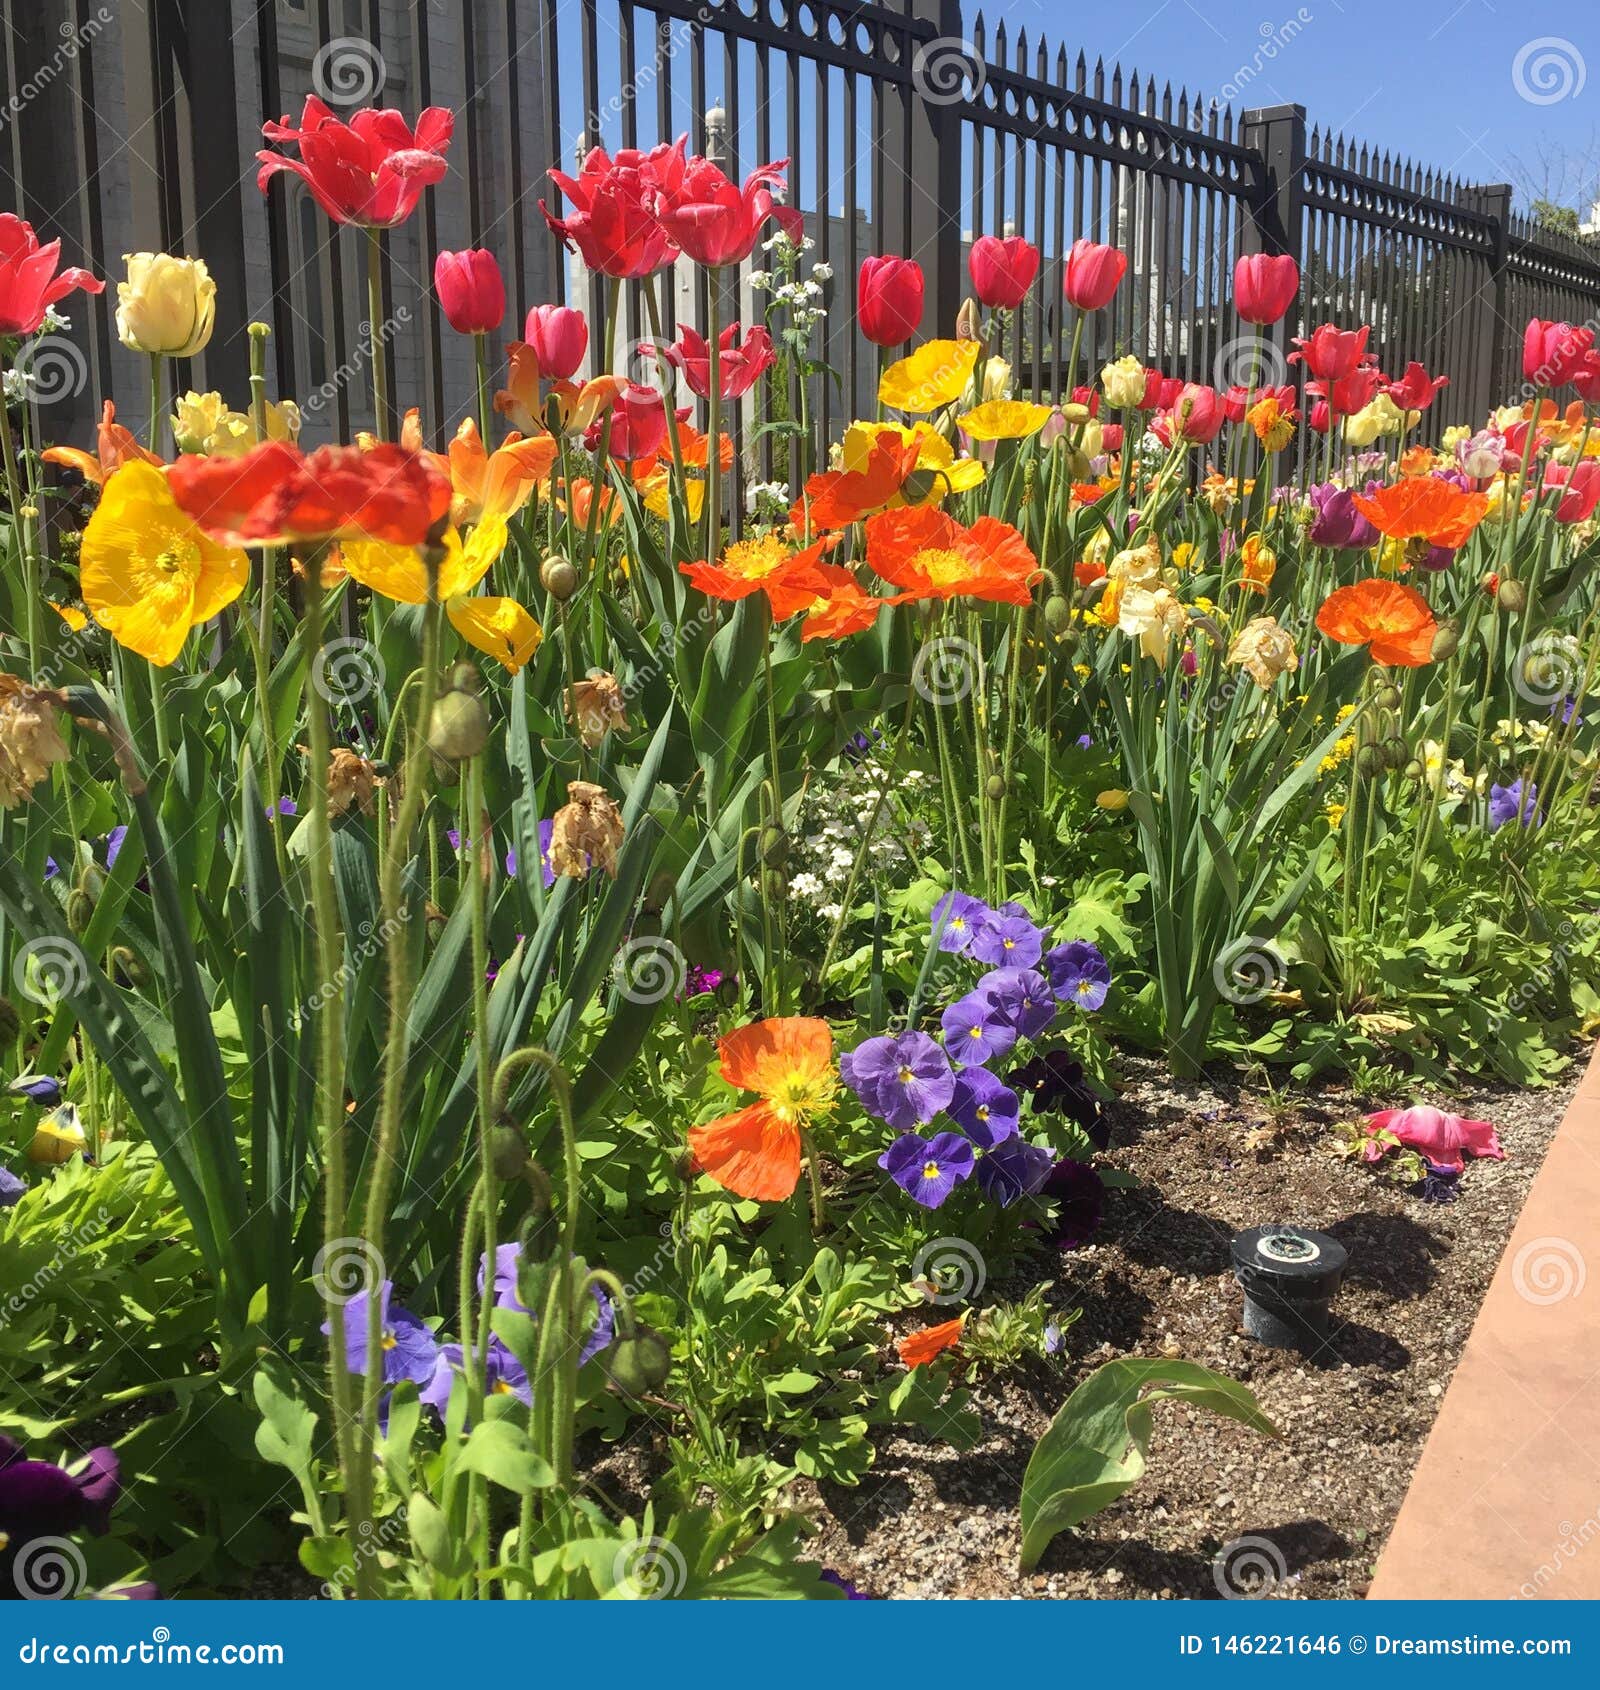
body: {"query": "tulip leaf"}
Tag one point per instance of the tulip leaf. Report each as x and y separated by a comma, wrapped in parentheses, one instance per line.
(1094, 1450)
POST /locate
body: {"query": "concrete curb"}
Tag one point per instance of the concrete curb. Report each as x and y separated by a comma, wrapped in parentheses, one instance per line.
(1505, 1501)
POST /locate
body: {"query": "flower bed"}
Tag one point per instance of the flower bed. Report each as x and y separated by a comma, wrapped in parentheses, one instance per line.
(514, 967)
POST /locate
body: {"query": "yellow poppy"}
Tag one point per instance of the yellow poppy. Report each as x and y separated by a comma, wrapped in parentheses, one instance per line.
(934, 375)
(498, 626)
(1005, 419)
(147, 573)
(657, 495)
(939, 471)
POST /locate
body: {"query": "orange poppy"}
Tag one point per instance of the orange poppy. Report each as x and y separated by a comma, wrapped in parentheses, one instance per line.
(790, 579)
(1087, 570)
(276, 494)
(1391, 620)
(917, 1349)
(692, 446)
(1424, 508)
(847, 609)
(114, 447)
(836, 498)
(931, 556)
(755, 1151)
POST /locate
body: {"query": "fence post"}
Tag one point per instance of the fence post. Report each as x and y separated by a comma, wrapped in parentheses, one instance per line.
(1274, 217)
(921, 154)
(1491, 296)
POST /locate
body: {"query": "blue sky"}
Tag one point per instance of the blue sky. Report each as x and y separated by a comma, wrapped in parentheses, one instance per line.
(1488, 90)
(1438, 82)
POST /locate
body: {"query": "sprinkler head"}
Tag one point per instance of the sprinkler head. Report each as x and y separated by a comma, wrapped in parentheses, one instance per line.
(1290, 1276)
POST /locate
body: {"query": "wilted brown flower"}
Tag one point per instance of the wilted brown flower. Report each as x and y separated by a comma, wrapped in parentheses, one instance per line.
(352, 780)
(595, 706)
(30, 740)
(1264, 650)
(586, 832)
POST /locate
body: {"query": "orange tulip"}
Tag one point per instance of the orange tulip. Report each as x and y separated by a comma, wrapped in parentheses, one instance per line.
(114, 447)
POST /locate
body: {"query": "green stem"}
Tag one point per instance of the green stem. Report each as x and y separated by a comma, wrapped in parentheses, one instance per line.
(376, 341)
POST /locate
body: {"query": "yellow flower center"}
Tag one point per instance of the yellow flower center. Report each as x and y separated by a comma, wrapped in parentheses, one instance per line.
(930, 1170)
(754, 560)
(944, 566)
(173, 553)
(906, 1076)
(389, 1340)
(802, 1093)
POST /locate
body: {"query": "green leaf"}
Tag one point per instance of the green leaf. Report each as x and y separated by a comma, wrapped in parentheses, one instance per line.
(502, 1453)
(287, 1433)
(1094, 1449)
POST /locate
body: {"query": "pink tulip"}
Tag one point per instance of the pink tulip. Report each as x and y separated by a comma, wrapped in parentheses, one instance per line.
(558, 337)
(1002, 270)
(1439, 1136)
(1264, 286)
(1197, 413)
(1093, 274)
(471, 291)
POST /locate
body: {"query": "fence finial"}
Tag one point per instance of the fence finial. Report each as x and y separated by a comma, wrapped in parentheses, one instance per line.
(716, 134)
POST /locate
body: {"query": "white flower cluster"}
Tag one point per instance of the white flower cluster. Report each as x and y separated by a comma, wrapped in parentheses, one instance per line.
(767, 501)
(830, 829)
(803, 299)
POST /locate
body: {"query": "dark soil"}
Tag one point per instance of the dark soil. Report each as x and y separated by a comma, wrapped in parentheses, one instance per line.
(927, 1521)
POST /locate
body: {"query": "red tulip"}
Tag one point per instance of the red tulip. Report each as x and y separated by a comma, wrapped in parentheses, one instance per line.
(1582, 489)
(1348, 394)
(743, 357)
(889, 299)
(1235, 402)
(1319, 417)
(1264, 286)
(1089, 398)
(1111, 437)
(29, 281)
(613, 225)
(1002, 270)
(370, 171)
(636, 426)
(1162, 392)
(1197, 414)
(558, 337)
(1414, 391)
(1093, 274)
(1332, 353)
(471, 290)
(716, 222)
(1585, 377)
(1552, 351)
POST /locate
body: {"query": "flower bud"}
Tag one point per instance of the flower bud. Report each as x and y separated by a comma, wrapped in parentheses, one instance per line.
(1445, 642)
(1512, 596)
(774, 847)
(638, 1362)
(80, 910)
(1414, 770)
(558, 578)
(995, 787)
(508, 1151)
(1057, 614)
(1370, 761)
(1396, 752)
(459, 726)
(167, 307)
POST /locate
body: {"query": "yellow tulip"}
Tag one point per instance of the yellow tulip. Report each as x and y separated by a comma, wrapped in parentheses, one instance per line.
(1123, 383)
(203, 424)
(167, 307)
(146, 572)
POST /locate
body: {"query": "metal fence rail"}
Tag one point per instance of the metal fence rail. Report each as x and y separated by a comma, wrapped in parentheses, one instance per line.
(909, 126)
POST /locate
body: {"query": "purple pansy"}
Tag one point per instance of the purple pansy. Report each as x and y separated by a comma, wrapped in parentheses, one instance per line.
(1079, 975)
(956, 919)
(928, 1169)
(1512, 804)
(1023, 997)
(503, 1375)
(407, 1348)
(903, 1079)
(11, 1188)
(1056, 1084)
(984, 1107)
(506, 1296)
(38, 1500)
(1013, 1169)
(42, 1089)
(114, 843)
(975, 1030)
(852, 1592)
(1007, 938)
(698, 981)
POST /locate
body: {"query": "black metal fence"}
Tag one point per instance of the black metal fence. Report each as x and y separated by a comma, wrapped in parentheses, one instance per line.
(909, 127)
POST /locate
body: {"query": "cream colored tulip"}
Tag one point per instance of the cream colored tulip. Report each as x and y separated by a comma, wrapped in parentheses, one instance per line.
(167, 307)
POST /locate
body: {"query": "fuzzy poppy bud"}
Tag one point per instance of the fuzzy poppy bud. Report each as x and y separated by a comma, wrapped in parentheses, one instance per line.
(1512, 596)
(774, 884)
(1369, 761)
(995, 787)
(80, 910)
(1388, 697)
(1445, 642)
(508, 1151)
(1396, 752)
(558, 578)
(459, 726)
(1414, 770)
(774, 847)
(128, 968)
(1057, 614)
(638, 1362)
